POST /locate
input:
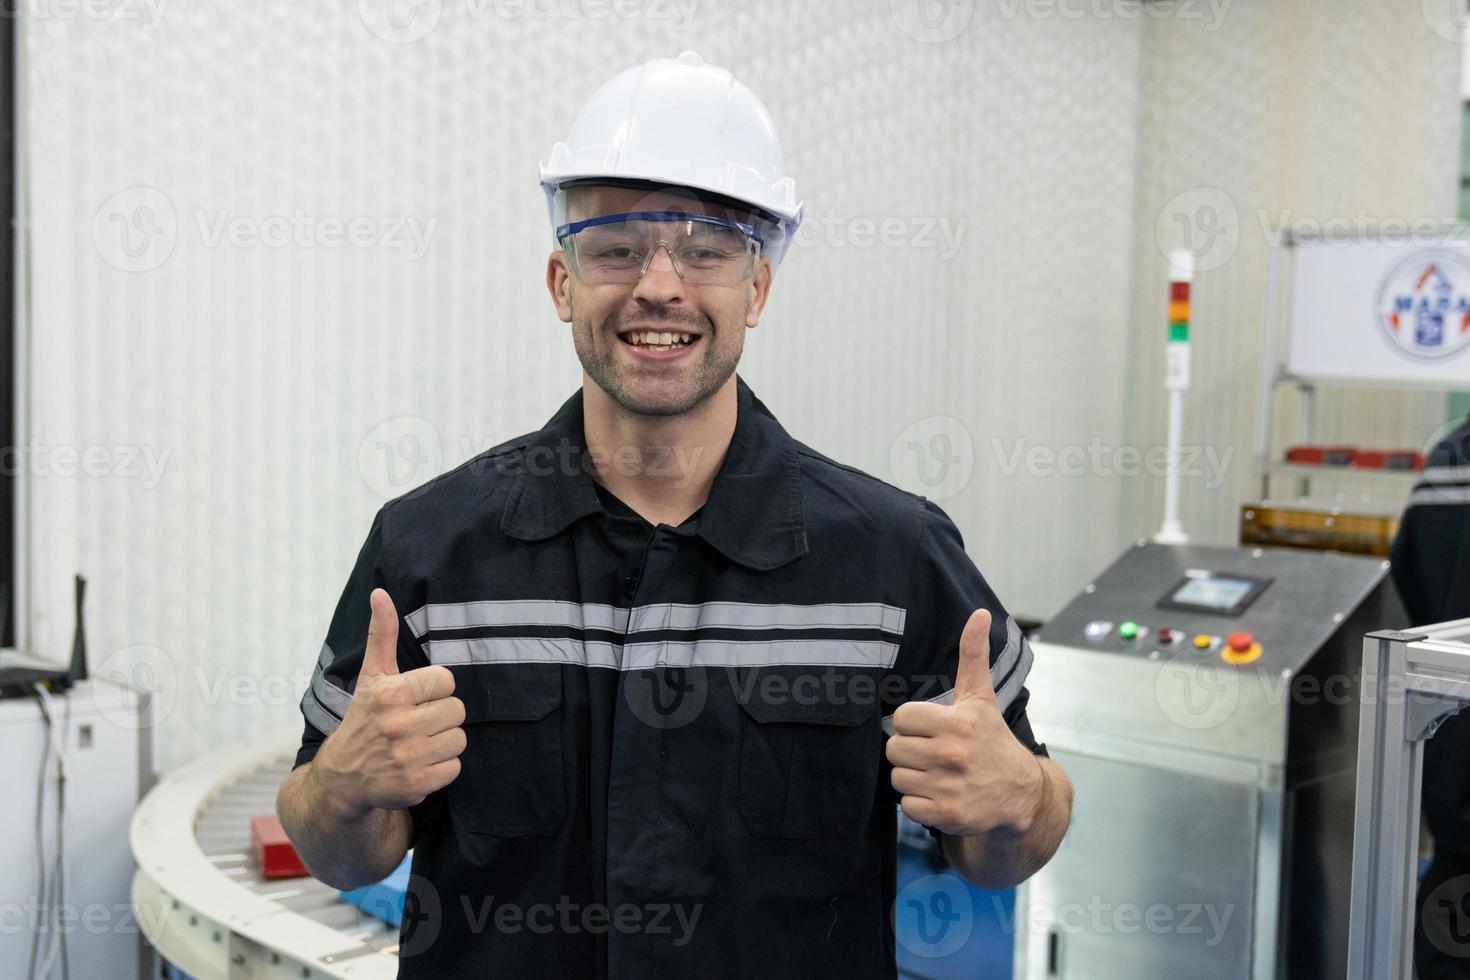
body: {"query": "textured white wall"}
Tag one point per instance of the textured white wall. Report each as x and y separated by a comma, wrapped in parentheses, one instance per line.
(281, 392)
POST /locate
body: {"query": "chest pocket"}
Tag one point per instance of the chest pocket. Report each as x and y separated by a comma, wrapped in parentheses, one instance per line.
(807, 770)
(512, 778)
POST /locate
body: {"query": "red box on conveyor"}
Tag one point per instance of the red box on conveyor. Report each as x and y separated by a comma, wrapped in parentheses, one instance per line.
(1322, 455)
(1390, 459)
(273, 852)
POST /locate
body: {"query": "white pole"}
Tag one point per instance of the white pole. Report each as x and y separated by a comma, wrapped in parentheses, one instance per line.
(1176, 380)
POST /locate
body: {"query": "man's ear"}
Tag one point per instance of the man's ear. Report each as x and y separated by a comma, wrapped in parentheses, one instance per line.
(759, 291)
(559, 284)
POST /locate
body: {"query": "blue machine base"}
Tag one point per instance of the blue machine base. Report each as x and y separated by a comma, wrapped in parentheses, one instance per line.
(385, 899)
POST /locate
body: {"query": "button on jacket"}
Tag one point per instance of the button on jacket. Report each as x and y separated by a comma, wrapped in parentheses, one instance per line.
(674, 762)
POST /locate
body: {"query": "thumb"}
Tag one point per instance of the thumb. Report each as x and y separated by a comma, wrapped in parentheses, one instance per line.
(972, 676)
(381, 657)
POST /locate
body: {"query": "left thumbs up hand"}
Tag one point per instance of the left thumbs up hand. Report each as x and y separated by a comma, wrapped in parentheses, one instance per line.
(958, 767)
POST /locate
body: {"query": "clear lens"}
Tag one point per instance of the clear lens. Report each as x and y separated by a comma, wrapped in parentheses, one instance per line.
(704, 251)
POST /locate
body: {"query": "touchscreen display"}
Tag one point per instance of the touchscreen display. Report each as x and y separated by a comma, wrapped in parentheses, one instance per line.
(1213, 593)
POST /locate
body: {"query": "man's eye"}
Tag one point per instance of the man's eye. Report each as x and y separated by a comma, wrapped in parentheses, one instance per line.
(614, 252)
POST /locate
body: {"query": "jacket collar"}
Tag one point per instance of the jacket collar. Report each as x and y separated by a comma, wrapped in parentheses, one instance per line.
(753, 515)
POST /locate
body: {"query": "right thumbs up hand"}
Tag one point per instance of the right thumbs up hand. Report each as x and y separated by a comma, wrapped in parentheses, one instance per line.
(401, 737)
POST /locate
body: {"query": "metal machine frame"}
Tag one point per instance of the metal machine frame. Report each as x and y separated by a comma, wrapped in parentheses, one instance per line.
(1412, 681)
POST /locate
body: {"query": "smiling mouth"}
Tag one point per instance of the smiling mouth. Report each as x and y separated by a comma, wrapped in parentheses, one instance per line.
(658, 340)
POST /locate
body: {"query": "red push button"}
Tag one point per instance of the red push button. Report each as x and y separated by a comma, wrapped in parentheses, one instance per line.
(1240, 648)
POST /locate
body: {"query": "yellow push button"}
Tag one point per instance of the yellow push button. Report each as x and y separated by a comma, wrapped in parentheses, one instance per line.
(1201, 642)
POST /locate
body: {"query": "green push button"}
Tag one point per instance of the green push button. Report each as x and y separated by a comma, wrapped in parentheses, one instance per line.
(1128, 630)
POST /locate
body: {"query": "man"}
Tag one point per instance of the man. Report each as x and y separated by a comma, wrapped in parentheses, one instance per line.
(1431, 568)
(621, 683)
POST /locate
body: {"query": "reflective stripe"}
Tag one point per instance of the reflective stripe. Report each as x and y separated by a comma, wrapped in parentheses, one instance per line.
(1445, 474)
(523, 650)
(1012, 687)
(675, 653)
(1009, 669)
(649, 635)
(321, 719)
(329, 694)
(324, 703)
(516, 612)
(1439, 495)
(756, 615)
(1000, 666)
(665, 615)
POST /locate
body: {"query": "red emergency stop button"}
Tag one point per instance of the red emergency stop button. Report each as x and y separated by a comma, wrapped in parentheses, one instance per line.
(1240, 648)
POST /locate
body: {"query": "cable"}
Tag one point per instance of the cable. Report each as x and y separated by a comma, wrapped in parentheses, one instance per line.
(61, 833)
(57, 737)
(61, 838)
(41, 883)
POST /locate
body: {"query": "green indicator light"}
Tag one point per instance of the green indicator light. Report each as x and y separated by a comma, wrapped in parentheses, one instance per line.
(1178, 331)
(1128, 630)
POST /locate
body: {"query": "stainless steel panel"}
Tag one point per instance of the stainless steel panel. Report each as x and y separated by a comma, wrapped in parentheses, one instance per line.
(1155, 879)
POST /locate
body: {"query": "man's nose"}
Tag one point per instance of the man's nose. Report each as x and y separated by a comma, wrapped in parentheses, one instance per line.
(660, 282)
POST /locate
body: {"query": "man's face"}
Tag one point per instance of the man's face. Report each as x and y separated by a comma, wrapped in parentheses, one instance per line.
(602, 315)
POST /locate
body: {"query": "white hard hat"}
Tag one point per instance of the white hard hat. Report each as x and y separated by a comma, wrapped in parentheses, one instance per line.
(683, 122)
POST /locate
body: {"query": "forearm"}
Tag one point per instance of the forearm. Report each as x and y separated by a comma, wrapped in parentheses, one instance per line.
(340, 846)
(1003, 857)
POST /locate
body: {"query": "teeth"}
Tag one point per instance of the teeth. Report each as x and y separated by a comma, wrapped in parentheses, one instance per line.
(653, 338)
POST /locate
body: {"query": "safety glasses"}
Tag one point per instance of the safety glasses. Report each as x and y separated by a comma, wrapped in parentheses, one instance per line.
(617, 248)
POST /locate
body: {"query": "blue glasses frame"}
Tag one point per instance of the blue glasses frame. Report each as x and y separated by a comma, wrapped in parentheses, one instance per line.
(709, 219)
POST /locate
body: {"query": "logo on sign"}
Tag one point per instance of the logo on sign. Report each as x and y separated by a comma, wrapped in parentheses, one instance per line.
(1424, 304)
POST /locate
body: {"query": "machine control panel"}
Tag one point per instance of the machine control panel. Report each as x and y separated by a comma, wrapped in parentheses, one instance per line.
(1233, 606)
